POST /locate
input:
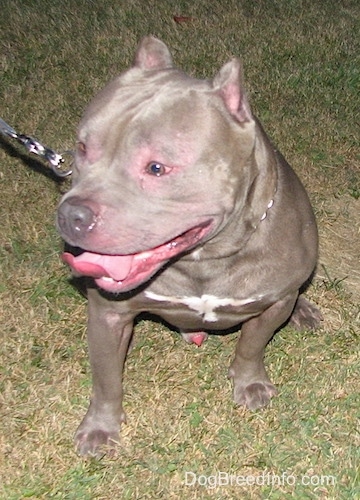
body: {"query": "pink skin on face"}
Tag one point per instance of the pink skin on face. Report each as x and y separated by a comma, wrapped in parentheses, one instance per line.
(156, 176)
(148, 171)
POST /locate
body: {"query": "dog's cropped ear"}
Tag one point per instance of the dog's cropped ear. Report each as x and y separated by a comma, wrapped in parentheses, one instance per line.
(229, 84)
(152, 54)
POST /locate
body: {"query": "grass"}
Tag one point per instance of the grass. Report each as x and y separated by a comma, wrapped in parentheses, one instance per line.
(301, 63)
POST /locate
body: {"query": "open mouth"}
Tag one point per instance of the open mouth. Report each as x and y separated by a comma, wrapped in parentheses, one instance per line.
(120, 273)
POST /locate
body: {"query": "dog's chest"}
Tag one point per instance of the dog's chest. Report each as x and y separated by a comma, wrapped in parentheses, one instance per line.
(205, 311)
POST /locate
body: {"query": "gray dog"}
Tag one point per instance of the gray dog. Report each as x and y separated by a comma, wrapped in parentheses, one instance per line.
(181, 206)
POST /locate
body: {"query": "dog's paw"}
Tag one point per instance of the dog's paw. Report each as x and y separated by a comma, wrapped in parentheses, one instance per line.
(255, 395)
(305, 316)
(96, 443)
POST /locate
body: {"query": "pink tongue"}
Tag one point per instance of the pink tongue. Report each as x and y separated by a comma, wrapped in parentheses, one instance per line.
(95, 265)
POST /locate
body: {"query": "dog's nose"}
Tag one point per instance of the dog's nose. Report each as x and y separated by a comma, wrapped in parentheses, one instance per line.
(75, 220)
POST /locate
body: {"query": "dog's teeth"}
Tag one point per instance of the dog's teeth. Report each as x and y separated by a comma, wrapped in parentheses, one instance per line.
(110, 280)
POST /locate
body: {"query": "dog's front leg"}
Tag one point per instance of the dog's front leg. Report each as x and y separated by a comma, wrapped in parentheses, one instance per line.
(109, 334)
(252, 386)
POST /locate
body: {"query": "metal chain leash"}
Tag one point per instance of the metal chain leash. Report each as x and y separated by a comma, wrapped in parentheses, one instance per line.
(56, 160)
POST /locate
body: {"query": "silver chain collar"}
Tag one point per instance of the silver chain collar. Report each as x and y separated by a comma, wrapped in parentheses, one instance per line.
(56, 160)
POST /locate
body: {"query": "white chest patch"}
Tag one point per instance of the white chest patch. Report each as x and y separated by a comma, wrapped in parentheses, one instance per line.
(205, 305)
(196, 254)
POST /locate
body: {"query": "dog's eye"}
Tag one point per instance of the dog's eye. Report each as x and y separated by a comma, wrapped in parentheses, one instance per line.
(155, 168)
(81, 148)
